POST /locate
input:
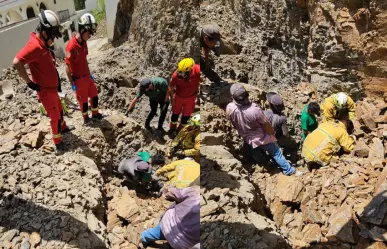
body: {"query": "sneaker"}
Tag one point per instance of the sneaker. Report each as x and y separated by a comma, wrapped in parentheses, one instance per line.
(298, 173)
(98, 116)
(148, 128)
(68, 128)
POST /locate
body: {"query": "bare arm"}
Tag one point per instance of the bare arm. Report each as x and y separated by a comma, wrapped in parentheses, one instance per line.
(206, 53)
(169, 94)
(21, 70)
(132, 104)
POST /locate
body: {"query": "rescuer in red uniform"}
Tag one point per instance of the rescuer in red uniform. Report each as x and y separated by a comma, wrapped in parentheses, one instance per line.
(44, 81)
(183, 88)
(82, 82)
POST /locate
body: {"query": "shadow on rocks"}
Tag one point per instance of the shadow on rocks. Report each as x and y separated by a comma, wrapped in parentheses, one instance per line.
(20, 218)
(227, 234)
(74, 142)
(212, 176)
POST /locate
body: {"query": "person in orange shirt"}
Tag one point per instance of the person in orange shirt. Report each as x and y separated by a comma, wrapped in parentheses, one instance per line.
(78, 73)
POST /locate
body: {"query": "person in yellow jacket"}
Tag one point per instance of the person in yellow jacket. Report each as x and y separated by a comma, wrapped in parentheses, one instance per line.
(327, 141)
(184, 172)
(338, 106)
(188, 139)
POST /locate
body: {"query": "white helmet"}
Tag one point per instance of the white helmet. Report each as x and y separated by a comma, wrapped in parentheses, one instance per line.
(50, 23)
(340, 100)
(88, 22)
(195, 120)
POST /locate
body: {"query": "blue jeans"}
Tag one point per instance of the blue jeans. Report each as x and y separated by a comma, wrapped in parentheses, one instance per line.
(274, 151)
(152, 234)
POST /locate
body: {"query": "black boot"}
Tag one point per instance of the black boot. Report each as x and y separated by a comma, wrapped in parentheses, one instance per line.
(60, 148)
(98, 116)
(68, 128)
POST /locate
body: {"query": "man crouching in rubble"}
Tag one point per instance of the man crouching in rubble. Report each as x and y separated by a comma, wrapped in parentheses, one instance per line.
(327, 141)
(255, 129)
(139, 169)
(209, 40)
(180, 224)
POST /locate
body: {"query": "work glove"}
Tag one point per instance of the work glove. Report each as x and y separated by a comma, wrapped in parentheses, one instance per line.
(165, 106)
(74, 87)
(92, 77)
(179, 154)
(33, 86)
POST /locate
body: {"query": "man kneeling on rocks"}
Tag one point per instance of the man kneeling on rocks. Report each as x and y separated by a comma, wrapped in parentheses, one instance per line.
(327, 141)
(188, 139)
(184, 172)
(251, 123)
(180, 224)
(278, 121)
(139, 168)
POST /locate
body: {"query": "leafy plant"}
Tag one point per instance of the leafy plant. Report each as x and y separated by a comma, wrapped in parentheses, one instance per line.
(99, 13)
(80, 4)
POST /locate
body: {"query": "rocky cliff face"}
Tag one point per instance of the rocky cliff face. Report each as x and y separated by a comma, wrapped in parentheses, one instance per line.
(265, 42)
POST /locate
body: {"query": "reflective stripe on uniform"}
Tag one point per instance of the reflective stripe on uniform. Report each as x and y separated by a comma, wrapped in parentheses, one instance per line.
(56, 135)
(336, 145)
(94, 109)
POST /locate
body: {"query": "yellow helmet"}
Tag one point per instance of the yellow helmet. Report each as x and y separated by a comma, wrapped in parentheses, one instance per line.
(185, 67)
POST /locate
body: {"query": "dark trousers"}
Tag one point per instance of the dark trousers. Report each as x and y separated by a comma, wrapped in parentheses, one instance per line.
(153, 105)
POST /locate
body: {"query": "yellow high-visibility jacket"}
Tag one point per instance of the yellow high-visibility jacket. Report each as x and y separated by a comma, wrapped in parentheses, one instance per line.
(324, 142)
(189, 140)
(184, 172)
(330, 112)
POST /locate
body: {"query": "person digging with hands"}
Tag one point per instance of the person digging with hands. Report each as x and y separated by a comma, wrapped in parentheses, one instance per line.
(155, 89)
(77, 68)
(36, 54)
(188, 139)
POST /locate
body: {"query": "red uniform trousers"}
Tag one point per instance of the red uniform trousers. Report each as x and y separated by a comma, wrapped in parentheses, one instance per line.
(185, 106)
(86, 89)
(51, 103)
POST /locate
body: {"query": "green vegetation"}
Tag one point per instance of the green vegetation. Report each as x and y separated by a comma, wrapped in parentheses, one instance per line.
(80, 4)
(99, 13)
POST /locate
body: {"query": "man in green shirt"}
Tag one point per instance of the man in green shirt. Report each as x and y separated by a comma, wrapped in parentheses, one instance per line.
(308, 118)
(155, 89)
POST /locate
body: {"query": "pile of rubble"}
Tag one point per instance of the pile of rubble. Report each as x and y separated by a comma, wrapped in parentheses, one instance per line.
(73, 200)
(332, 207)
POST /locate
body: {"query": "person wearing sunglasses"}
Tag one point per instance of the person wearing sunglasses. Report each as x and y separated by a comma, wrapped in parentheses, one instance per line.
(77, 68)
(183, 88)
(36, 54)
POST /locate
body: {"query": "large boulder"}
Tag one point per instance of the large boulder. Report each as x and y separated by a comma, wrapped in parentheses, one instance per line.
(289, 189)
(342, 226)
